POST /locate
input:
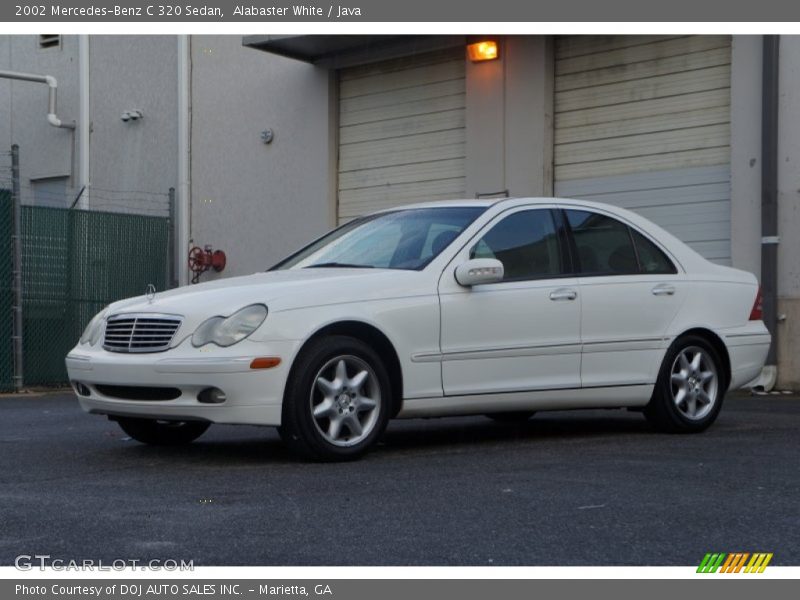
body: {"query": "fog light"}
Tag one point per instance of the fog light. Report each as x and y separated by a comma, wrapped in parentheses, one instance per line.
(212, 396)
(81, 389)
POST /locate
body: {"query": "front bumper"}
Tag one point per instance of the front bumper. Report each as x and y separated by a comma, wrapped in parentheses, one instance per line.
(252, 396)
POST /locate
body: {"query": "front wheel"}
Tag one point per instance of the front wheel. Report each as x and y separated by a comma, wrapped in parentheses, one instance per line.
(162, 433)
(690, 389)
(337, 400)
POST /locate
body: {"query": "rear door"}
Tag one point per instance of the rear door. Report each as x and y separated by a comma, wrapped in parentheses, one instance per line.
(631, 291)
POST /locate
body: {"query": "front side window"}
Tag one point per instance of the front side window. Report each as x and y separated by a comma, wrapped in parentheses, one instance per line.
(605, 246)
(526, 243)
(403, 239)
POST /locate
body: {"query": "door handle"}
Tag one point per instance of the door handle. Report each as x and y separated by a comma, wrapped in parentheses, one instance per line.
(563, 294)
(663, 289)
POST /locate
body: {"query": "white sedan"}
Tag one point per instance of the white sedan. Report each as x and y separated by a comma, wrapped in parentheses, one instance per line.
(500, 308)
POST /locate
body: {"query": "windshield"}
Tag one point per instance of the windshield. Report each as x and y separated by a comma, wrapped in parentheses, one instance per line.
(403, 239)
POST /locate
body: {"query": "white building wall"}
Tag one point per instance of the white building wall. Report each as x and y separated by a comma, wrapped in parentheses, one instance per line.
(789, 213)
(45, 151)
(509, 118)
(746, 59)
(258, 202)
(133, 164)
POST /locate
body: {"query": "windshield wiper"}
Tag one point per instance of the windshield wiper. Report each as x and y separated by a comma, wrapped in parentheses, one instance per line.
(327, 265)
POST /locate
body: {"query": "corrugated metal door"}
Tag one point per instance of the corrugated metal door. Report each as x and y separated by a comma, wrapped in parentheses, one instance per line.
(401, 132)
(643, 122)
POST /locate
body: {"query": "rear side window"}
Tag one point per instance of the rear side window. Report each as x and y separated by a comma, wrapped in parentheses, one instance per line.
(526, 243)
(605, 246)
(651, 259)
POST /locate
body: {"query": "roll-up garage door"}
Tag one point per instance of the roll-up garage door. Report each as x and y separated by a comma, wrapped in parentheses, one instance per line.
(643, 122)
(401, 132)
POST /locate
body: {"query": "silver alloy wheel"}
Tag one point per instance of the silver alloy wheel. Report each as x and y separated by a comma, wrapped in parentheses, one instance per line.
(345, 400)
(694, 383)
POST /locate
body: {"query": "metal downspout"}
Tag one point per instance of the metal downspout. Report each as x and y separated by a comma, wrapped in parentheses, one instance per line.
(85, 124)
(769, 190)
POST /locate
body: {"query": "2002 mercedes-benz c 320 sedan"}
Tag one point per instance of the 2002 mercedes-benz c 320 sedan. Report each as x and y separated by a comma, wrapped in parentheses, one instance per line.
(449, 308)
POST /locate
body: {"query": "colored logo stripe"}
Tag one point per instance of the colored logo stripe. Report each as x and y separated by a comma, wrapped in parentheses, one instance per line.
(758, 563)
(734, 562)
(711, 562)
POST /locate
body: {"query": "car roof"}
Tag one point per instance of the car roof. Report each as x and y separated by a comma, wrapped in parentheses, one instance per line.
(487, 202)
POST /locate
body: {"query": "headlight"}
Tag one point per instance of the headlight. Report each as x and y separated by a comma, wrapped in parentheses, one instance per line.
(93, 330)
(227, 331)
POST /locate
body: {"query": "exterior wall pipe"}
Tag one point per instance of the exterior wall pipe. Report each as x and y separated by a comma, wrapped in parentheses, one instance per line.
(769, 191)
(183, 207)
(52, 101)
(84, 120)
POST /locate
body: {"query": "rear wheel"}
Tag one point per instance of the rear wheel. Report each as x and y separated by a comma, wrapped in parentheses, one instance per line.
(162, 433)
(690, 389)
(337, 400)
(517, 416)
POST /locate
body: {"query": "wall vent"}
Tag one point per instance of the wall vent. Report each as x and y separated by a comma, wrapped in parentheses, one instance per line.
(49, 41)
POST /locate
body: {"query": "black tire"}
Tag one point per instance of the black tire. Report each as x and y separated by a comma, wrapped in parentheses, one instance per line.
(517, 416)
(162, 433)
(302, 432)
(663, 411)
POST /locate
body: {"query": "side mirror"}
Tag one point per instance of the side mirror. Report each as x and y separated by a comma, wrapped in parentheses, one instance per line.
(478, 271)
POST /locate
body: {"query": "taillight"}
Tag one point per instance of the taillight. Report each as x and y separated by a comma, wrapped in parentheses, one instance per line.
(757, 314)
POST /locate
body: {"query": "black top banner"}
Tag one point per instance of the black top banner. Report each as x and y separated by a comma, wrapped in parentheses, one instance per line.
(458, 11)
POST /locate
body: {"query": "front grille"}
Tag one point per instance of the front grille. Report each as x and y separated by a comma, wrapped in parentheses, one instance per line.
(140, 332)
(135, 392)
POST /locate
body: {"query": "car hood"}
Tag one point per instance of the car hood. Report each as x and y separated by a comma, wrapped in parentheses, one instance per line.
(279, 290)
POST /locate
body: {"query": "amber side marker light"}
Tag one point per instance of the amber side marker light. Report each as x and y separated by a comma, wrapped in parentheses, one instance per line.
(265, 362)
(480, 51)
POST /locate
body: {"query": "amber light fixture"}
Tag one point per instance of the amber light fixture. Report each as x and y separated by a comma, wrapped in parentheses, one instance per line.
(265, 362)
(481, 51)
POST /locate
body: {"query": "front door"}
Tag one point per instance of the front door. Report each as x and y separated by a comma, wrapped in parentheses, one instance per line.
(520, 334)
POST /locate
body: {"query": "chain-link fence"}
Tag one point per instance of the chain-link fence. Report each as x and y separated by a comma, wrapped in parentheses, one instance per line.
(74, 262)
(6, 299)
